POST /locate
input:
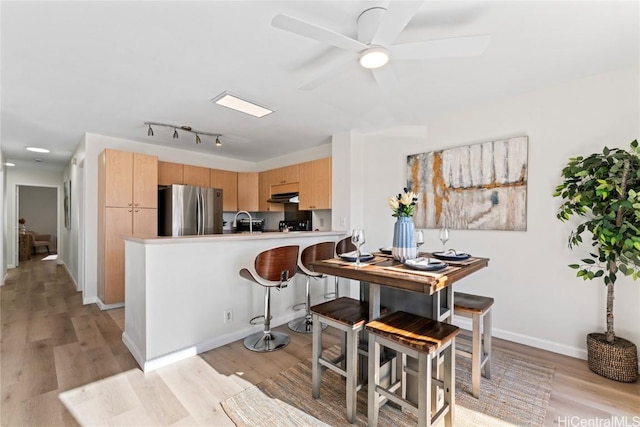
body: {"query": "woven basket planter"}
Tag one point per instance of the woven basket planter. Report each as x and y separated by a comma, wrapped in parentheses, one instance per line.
(617, 360)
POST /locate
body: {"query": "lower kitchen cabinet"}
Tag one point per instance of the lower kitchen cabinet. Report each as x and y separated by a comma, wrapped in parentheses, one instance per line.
(116, 222)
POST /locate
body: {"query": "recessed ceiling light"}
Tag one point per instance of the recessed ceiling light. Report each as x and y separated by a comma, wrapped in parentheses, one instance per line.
(38, 150)
(374, 57)
(38, 159)
(236, 103)
(9, 164)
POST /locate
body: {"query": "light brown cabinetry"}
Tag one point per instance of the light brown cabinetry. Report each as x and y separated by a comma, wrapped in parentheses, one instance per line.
(315, 184)
(284, 175)
(170, 173)
(228, 182)
(196, 175)
(248, 191)
(267, 179)
(127, 204)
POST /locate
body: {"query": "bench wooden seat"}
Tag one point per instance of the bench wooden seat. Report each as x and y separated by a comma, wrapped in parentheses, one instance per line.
(478, 308)
(349, 316)
(422, 339)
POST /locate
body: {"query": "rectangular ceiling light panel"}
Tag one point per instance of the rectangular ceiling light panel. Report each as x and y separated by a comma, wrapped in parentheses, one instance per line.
(235, 103)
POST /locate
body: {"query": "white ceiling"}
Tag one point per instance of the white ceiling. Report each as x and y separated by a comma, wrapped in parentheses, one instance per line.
(107, 67)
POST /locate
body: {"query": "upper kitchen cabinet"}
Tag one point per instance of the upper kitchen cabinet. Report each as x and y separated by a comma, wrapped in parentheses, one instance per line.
(266, 180)
(315, 184)
(228, 182)
(248, 191)
(284, 175)
(170, 173)
(196, 175)
(131, 179)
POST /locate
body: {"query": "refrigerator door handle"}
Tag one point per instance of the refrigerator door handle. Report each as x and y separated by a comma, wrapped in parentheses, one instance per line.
(199, 214)
(201, 225)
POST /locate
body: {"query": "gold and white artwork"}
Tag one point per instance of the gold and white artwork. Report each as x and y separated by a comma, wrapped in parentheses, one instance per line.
(474, 187)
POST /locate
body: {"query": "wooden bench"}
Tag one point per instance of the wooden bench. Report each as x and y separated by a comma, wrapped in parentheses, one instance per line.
(478, 308)
(423, 339)
(349, 316)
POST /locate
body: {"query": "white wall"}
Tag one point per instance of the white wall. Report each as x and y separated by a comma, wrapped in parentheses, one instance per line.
(539, 301)
(3, 228)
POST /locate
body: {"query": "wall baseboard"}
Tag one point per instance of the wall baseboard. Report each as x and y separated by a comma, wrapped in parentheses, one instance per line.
(71, 276)
(102, 306)
(176, 356)
(579, 353)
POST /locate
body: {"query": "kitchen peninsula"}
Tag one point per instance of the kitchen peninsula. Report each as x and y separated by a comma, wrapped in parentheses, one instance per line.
(179, 289)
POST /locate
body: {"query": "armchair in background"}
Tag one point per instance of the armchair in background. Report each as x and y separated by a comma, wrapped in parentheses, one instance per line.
(39, 240)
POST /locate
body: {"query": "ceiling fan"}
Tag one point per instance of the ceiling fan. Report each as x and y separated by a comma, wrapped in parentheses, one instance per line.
(378, 28)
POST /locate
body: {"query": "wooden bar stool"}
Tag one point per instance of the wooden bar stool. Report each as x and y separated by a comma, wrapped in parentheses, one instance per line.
(478, 308)
(274, 268)
(342, 247)
(422, 339)
(311, 253)
(349, 316)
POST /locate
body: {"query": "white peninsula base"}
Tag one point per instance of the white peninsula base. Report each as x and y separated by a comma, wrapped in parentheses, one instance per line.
(178, 289)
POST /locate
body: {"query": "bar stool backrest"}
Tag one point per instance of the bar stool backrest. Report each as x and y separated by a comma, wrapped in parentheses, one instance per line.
(316, 252)
(274, 264)
(344, 246)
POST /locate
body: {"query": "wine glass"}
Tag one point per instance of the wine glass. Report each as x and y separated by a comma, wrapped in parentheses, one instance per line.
(419, 238)
(357, 238)
(444, 236)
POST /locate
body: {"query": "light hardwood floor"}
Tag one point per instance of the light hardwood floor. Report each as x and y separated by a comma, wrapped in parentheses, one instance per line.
(51, 343)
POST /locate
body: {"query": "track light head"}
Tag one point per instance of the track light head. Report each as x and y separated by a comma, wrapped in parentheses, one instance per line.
(176, 135)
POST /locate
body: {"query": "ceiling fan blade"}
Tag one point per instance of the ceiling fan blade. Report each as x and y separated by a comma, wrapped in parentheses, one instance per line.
(397, 16)
(386, 79)
(314, 32)
(453, 47)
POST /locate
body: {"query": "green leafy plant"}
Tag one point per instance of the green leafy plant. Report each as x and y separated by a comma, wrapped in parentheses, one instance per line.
(604, 189)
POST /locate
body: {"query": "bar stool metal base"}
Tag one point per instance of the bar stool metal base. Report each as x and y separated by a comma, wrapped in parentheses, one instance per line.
(303, 325)
(263, 342)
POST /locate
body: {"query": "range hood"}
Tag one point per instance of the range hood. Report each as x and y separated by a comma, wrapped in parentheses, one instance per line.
(291, 197)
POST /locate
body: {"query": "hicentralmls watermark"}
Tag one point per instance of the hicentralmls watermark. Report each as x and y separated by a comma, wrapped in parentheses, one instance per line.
(613, 421)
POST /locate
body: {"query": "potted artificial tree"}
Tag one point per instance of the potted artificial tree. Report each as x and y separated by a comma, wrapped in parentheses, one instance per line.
(603, 189)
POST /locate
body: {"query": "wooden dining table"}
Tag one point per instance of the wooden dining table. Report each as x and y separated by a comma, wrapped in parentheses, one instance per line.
(427, 293)
(385, 272)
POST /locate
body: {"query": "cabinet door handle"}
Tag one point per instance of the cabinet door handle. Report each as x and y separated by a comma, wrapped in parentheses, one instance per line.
(130, 204)
(136, 204)
(130, 210)
(136, 210)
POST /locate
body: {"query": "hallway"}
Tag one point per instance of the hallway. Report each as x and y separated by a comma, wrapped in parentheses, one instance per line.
(50, 343)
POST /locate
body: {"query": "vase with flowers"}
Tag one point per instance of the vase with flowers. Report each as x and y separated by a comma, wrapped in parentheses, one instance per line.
(22, 225)
(404, 240)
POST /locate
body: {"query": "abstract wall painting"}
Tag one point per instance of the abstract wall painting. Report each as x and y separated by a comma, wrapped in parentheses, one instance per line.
(474, 187)
(67, 204)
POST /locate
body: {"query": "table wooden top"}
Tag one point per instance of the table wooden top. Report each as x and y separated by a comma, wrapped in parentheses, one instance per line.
(384, 270)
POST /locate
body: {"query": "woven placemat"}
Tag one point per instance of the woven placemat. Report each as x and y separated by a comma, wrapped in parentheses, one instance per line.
(517, 394)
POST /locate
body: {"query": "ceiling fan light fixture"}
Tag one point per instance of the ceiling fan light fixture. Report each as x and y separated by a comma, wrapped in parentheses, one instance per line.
(218, 143)
(374, 57)
(175, 133)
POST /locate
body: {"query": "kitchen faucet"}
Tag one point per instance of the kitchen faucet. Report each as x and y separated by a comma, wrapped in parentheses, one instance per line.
(235, 223)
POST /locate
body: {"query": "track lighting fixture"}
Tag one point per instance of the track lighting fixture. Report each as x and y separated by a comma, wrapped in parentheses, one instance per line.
(175, 128)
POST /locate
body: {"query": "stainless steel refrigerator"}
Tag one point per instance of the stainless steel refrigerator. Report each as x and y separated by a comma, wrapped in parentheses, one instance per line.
(184, 210)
